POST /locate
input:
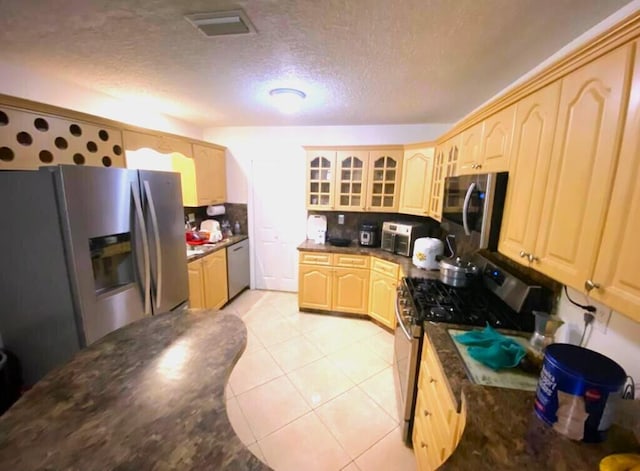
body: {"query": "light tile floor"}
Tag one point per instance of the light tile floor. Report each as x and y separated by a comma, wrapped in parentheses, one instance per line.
(314, 392)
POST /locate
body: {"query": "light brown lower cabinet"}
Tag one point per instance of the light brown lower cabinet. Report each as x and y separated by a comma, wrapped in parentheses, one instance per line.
(208, 281)
(382, 292)
(345, 283)
(438, 425)
(333, 282)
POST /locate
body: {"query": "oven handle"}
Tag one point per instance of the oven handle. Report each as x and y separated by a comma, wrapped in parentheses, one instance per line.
(399, 319)
(465, 208)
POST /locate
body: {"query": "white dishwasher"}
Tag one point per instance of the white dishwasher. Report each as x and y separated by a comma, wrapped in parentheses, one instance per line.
(238, 267)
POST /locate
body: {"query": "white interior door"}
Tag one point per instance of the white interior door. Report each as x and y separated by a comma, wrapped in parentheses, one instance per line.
(279, 221)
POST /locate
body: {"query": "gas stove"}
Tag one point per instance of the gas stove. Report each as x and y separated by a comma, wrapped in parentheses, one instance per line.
(474, 305)
(497, 298)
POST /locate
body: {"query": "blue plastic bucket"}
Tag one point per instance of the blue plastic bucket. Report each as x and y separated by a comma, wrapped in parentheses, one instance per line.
(577, 391)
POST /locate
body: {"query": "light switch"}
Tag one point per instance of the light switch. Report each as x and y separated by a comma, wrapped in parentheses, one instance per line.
(340, 218)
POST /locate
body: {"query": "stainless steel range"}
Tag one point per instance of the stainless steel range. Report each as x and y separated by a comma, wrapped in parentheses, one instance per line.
(497, 298)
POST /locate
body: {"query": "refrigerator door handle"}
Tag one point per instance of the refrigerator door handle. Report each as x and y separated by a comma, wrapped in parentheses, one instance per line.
(145, 249)
(156, 232)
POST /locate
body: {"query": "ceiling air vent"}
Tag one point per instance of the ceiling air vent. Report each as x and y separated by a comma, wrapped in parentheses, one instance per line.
(219, 23)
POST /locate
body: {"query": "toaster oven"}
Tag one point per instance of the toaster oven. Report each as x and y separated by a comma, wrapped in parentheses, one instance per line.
(399, 237)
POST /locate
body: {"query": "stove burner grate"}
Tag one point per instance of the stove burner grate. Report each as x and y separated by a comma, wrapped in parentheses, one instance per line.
(472, 305)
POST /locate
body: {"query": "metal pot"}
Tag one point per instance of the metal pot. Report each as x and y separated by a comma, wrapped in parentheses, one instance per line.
(457, 272)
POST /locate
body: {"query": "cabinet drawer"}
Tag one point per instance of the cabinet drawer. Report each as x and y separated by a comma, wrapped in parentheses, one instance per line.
(316, 258)
(345, 260)
(384, 267)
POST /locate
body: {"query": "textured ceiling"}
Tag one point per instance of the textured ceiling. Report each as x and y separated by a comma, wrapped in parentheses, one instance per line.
(359, 61)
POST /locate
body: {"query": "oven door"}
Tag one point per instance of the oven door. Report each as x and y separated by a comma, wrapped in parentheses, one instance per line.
(402, 245)
(407, 346)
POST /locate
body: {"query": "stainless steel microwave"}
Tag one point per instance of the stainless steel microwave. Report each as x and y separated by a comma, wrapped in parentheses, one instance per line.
(473, 206)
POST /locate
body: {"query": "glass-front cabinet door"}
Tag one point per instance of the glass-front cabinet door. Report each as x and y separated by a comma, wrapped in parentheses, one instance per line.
(320, 179)
(385, 170)
(351, 180)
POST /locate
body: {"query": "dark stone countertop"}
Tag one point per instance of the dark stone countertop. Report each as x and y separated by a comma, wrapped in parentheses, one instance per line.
(147, 396)
(503, 433)
(210, 248)
(406, 264)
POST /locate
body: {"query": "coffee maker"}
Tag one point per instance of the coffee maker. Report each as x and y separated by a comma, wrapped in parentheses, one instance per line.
(369, 234)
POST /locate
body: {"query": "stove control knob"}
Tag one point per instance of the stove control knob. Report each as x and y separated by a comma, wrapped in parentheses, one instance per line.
(406, 312)
(404, 302)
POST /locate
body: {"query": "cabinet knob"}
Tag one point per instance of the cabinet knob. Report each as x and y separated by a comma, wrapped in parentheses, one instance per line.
(432, 380)
(426, 413)
(532, 258)
(423, 445)
(589, 285)
(523, 254)
(479, 166)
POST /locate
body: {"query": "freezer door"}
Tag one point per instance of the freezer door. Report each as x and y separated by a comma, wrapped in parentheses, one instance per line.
(164, 215)
(106, 257)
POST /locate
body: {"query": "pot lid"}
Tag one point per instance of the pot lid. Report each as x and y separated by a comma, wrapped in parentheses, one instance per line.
(458, 263)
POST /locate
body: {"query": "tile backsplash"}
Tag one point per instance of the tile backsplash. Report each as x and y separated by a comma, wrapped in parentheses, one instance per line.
(352, 221)
(233, 212)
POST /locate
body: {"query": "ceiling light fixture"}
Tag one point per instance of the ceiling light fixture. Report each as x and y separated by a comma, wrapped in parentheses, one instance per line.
(287, 100)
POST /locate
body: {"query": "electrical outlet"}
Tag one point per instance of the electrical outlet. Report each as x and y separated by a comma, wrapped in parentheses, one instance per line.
(340, 218)
(192, 217)
(601, 318)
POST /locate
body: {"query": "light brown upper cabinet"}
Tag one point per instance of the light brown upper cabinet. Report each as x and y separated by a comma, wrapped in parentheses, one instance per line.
(496, 143)
(210, 169)
(320, 169)
(31, 139)
(582, 168)
(470, 149)
(354, 179)
(615, 276)
(134, 140)
(385, 171)
(351, 180)
(445, 164)
(486, 147)
(417, 175)
(532, 140)
(201, 168)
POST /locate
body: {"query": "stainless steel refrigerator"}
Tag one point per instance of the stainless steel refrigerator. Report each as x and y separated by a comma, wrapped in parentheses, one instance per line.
(84, 251)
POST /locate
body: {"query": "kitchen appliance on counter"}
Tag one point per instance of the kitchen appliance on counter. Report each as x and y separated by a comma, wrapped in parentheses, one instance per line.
(90, 250)
(472, 208)
(317, 228)
(369, 234)
(213, 228)
(426, 251)
(399, 237)
(497, 297)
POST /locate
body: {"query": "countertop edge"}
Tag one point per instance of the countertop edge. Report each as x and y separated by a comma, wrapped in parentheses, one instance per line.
(209, 249)
(147, 395)
(502, 430)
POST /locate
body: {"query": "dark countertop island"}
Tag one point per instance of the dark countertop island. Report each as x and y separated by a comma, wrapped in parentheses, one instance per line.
(149, 396)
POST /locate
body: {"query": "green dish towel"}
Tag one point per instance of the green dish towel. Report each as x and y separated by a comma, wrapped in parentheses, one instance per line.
(492, 348)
